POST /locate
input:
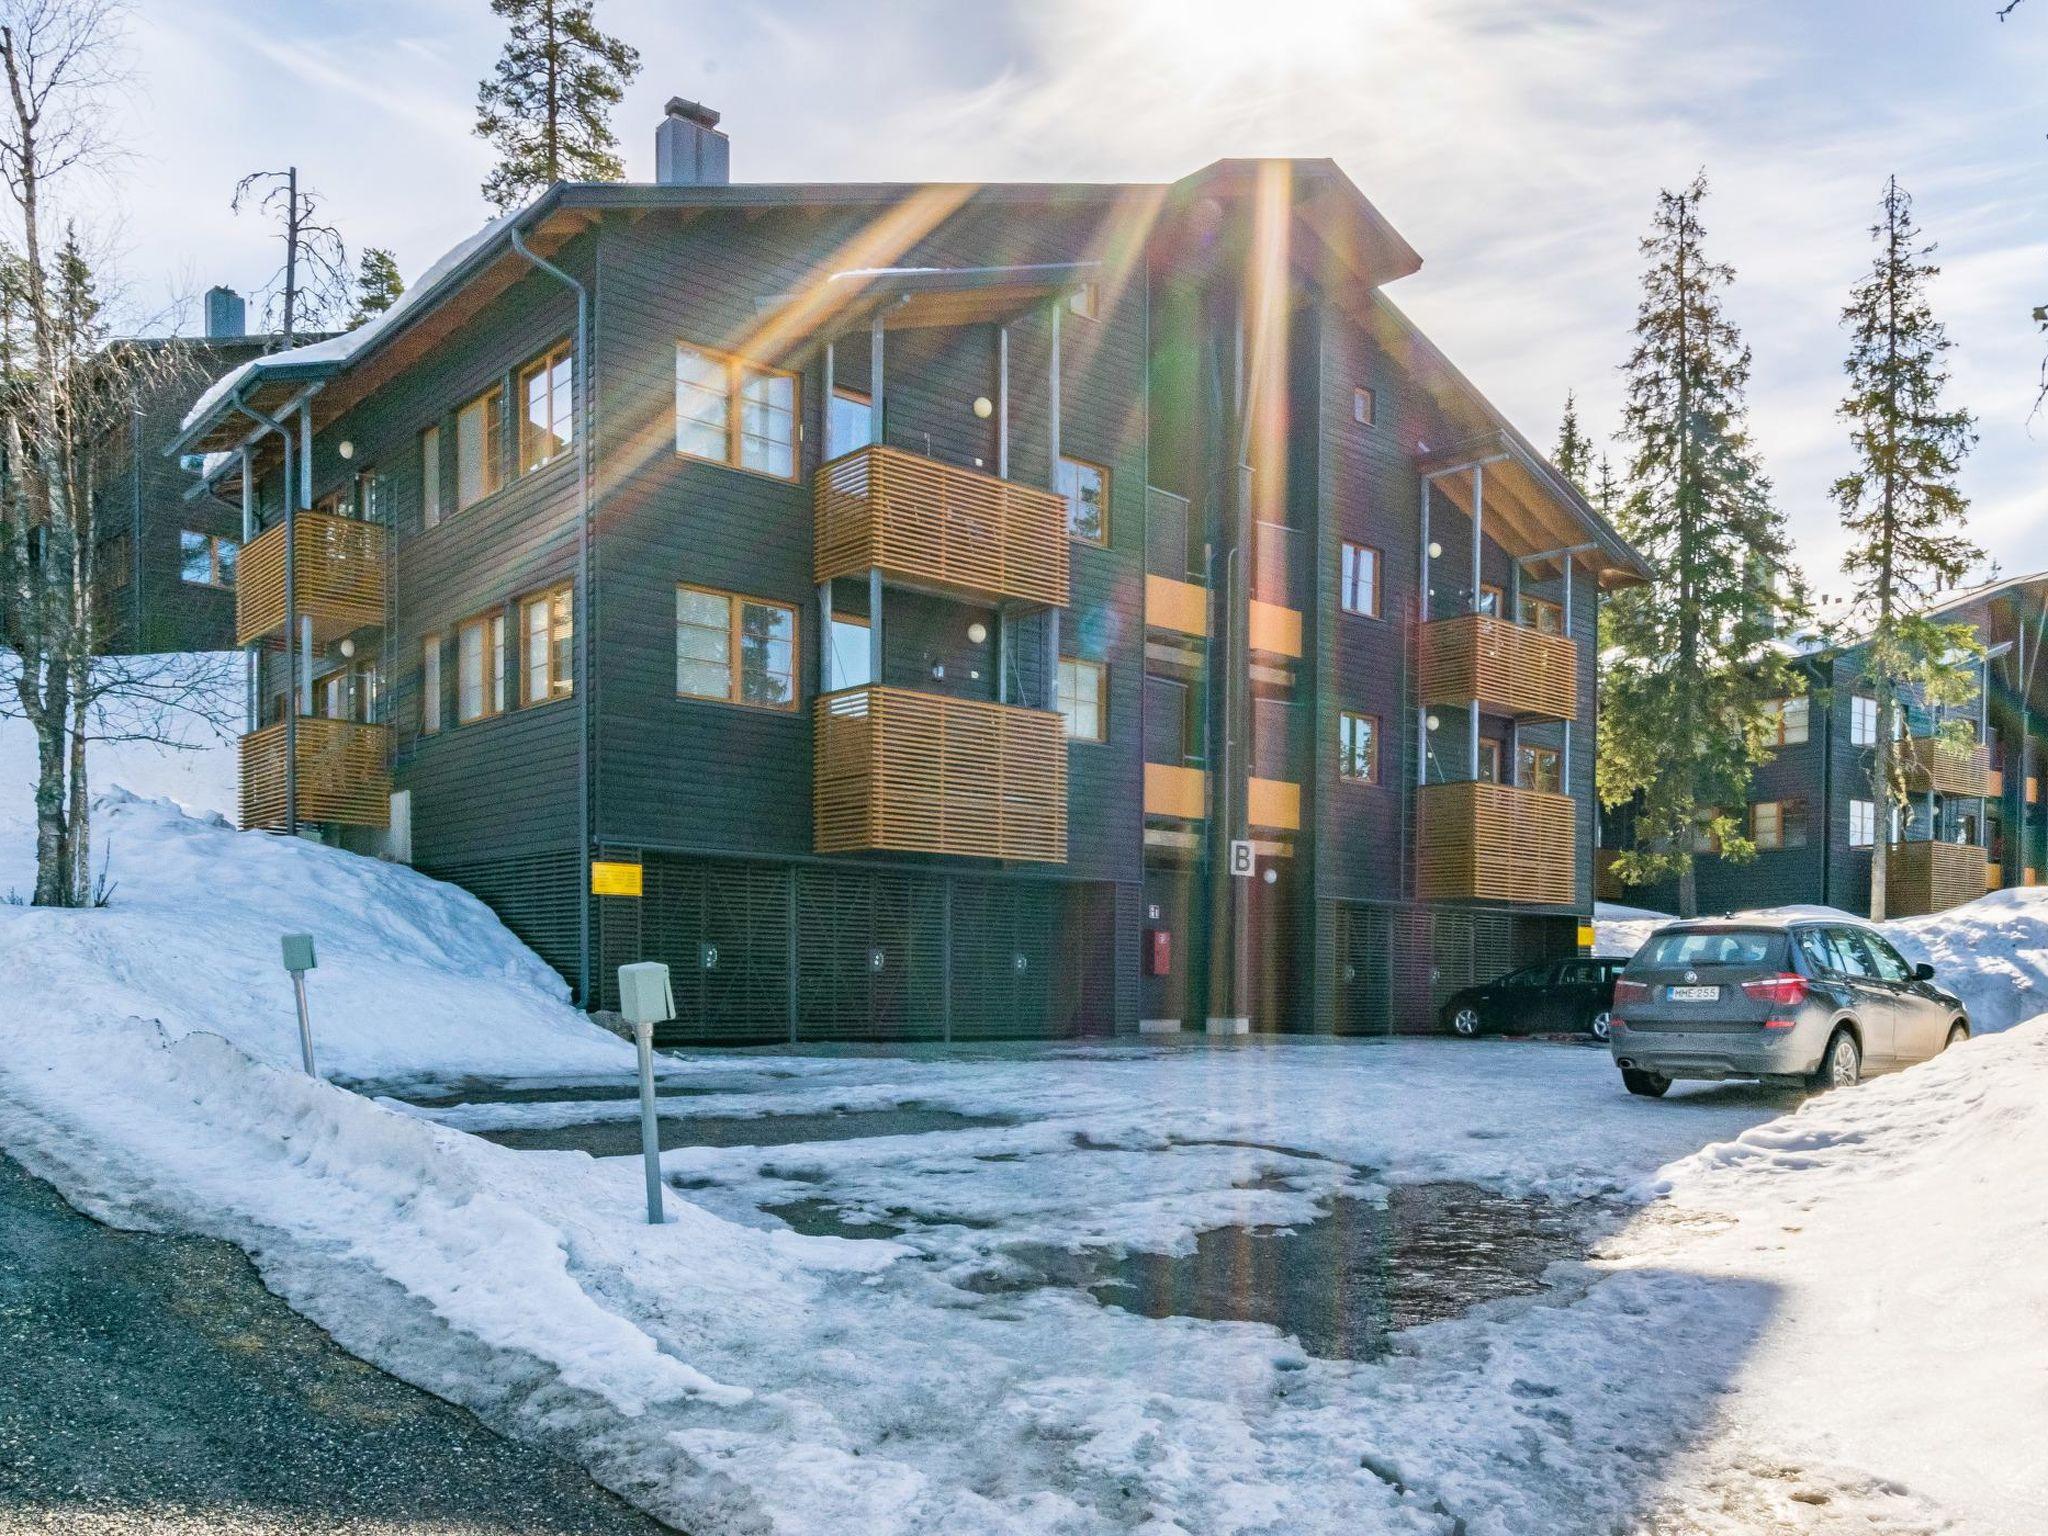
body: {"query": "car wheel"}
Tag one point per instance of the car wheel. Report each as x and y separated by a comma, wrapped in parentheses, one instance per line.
(1600, 1025)
(1958, 1032)
(1648, 1085)
(1841, 1065)
(1465, 1022)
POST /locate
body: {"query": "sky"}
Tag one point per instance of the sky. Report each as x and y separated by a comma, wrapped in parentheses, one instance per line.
(1518, 144)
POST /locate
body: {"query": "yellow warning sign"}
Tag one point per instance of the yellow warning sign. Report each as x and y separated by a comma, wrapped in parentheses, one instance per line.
(1586, 937)
(614, 879)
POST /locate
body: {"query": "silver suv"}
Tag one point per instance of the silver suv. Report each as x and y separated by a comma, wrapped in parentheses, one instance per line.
(1819, 1001)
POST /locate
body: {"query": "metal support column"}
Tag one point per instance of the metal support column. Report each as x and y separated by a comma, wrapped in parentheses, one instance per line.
(1422, 618)
(1052, 405)
(288, 488)
(876, 406)
(832, 449)
(875, 625)
(1002, 402)
(1564, 757)
(825, 682)
(1478, 597)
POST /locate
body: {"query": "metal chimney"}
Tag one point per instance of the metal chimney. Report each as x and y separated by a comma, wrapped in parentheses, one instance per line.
(227, 317)
(689, 151)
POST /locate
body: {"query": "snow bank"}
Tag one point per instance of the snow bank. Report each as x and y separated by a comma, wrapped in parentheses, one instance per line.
(416, 978)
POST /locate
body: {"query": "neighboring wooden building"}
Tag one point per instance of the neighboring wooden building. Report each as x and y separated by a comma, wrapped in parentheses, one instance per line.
(893, 601)
(1974, 822)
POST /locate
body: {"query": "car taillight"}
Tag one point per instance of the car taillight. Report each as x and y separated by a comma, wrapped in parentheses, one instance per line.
(1786, 991)
(1630, 992)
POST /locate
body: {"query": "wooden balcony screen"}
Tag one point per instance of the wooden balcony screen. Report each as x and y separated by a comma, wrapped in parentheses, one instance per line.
(1931, 877)
(1510, 669)
(1494, 842)
(920, 773)
(339, 573)
(344, 774)
(1945, 767)
(939, 525)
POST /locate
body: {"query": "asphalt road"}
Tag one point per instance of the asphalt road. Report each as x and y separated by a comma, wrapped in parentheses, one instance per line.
(151, 1384)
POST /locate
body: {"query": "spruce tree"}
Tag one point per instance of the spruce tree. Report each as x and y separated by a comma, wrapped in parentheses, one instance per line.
(546, 108)
(1606, 492)
(1574, 456)
(1688, 669)
(1900, 503)
(378, 285)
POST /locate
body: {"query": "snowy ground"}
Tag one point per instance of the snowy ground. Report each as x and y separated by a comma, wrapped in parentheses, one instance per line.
(1830, 1320)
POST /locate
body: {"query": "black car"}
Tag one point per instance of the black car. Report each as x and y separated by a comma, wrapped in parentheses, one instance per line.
(1548, 998)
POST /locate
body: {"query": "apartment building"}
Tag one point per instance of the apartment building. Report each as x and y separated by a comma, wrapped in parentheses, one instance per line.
(930, 610)
(1973, 820)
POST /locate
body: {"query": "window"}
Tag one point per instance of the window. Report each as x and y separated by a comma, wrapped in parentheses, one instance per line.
(480, 447)
(1778, 824)
(548, 622)
(736, 649)
(1086, 487)
(116, 562)
(733, 412)
(1891, 965)
(1539, 613)
(547, 408)
(1748, 948)
(1363, 407)
(1789, 721)
(849, 423)
(850, 653)
(1492, 601)
(1358, 748)
(1539, 768)
(1487, 769)
(1862, 721)
(205, 559)
(1851, 954)
(1083, 300)
(480, 668)
(1084, 699)
(430, 478)
(1862, 823)
(430, 684)
(333, 696)
(1360, 580)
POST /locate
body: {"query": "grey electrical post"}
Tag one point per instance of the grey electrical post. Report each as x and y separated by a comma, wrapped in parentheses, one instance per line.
(646, 999)
(298, 959)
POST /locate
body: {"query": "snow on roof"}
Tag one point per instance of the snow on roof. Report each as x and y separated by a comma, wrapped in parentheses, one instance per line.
(338, 350)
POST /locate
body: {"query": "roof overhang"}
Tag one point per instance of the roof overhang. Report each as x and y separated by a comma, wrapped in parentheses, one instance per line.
(1529, 509)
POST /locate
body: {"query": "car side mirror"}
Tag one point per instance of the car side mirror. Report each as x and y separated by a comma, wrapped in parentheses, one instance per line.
(1923, 972)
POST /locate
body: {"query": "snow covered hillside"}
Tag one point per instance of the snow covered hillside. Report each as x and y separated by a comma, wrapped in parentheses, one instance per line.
(1991, 952)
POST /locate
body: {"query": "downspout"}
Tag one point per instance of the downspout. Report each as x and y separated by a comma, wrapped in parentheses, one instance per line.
(584, 617)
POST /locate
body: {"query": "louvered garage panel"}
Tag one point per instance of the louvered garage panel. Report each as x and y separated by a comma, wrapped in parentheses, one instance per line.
(1005, 953)
(534, 895)
(870, 955)
(722, 928)
(1365, 970)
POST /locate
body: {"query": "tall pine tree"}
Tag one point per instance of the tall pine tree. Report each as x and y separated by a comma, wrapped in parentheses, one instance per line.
(546, 108)
(1689, 674)
(1574, 456)
(1606, 492)
(378, 285)
(1900, 503)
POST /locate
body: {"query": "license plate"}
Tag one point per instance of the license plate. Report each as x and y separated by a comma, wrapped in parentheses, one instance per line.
(1693, 994)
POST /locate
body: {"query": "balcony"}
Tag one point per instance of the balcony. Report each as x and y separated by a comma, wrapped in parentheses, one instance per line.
(912, 772)
(1495, 842)
(1931, 877)
(339, 573)
(1946, 767)
(344, 774)
(937, 525)
(1510, 669)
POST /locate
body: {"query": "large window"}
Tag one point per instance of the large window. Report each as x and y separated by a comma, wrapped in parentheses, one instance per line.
(1862, 823)
(1084, 699)
(430, 477)
(430, 684)
(1778, 824)
(547, 620)
(1358, 748)
(734, 412)
(1359, 580)
(1789, 721)
(547, 408)
(1540, 613)
(737, 649)
(480, 447)
(1862, 721)
(849, 652)
(206, 559)
(480, 668)
(1539, 768)
(1086, 488)
(1487, 769)
(849, 423)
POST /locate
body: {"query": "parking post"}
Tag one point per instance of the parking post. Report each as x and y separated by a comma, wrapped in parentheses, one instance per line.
(298, 959)
(646, 999)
